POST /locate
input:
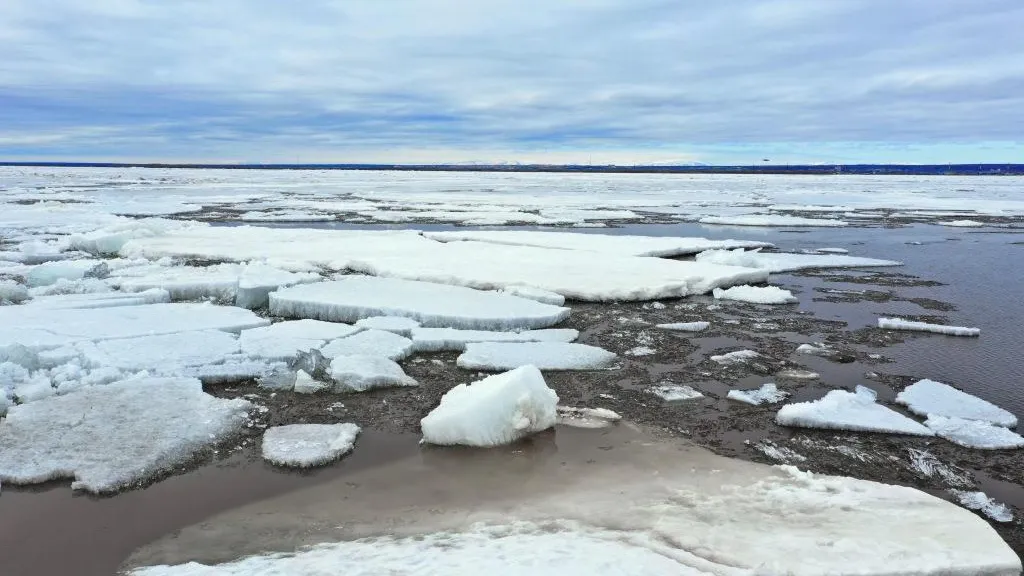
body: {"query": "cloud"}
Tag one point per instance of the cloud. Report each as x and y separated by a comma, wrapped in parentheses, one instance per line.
(640, 79)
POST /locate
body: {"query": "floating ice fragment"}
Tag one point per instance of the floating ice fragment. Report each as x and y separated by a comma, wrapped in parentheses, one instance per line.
(495, 356)
(370, 343)
(900, 324)
(842, 410)
(676, 392)
(308, 445)
(587, 417)
(926, 397)
(736, 357)
(361, 373)
(768, 393)
(685, 326)
(980, 501)
(974, 433)
(786, 262)
(440, 339)
(755, 294)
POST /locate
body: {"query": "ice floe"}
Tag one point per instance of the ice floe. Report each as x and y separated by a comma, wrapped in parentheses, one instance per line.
(962, 223)
(308, 445)
(398, 324)
(544, 355)
(619, 245)
(284, 340)
(817, 349)
(110, 437)
(50, 272)
(974, 433)
(737, 357)
(306, 384)
(352, 373)
(900, 324)
(772, 220)
(768, 393)
(370, 343)
(245, 285)
(755, 294)
(163, 354)
(356, 297)
(930, 466)
(980, 501)
(442, 339)
(676, 392)
(587, 417)
(685, 326)
(788, 262)
(12, 292)
(856, 411)
(531, 293)
(926, 397)
(499, 409)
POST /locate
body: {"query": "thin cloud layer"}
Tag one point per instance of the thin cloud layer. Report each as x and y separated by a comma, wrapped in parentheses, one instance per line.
(450, 80)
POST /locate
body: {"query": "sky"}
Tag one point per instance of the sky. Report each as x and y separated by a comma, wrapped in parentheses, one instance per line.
(544, 81)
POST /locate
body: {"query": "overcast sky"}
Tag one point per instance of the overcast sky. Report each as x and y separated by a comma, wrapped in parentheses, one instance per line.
(620, 81)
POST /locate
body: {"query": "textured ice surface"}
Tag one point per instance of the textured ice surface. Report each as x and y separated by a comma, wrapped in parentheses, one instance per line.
(305, 384)
(736, 357)
(110, 437)
(685, 326)
(587, 417)
(926, 397)
(768, 393)
(397, 324)
(164, 354)
(544, 355)
(786, 262)
(357, 297)
(974, 433)
(11, 292)
(360, 373)
(842, 410)
(50, 272)
(982, 503)
(531, 293)
(284, 340)
(440, 339)
(771, 220)
(308, 445)
(42, 328)
(499, 409)
(676, 392)
(245, 285)
(619, 245)
(928, 465)
(100, 300)
(755, 294)
(370, 343)
(900, 324)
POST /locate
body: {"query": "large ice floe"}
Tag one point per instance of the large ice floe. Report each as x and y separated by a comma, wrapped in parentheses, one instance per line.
(493, 356)
(974, 433)
(856, 411)
(442, 339)
(356, 297)
(245, 285)
(308, 445)
(358, 373)
(787, 262)
(755, 294)
(109, 437)
(927, 397)
(378, 343)
(900, 324)
(284, 340)
(772, 220)
(499, 409)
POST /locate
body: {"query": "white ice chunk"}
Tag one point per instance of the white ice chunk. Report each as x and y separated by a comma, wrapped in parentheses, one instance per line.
(685, 326)
(832, 250)
(234, 370)
(587, 417)
(641, 351)
(499, 409)
(101, 300)
(676, 392)
(110, 437)
(494, 356)
(787, 262)
(164, 354)
(360, 373)
(736, 357)
(370, 343)
(308, 445)
(962, 223)
(356, 297)
(980, 501)
(815, 349)
(926, 397)
(284, 340)
(397, 324)
(246, 285)
(772, 220)
(900, 324)
(536, 294)
(441, 339)
(755, 294)
(50, 272)
(12, 293)
(305, 384)
(974, 433)
(618, 245)
(110, 239)
(768, 393)
(842, 410)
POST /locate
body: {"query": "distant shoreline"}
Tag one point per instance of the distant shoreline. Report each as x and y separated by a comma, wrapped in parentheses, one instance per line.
(858, 169)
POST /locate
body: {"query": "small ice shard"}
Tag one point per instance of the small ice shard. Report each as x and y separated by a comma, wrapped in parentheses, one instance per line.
(856, 411)
(816, 349)
(308, 445)
(397, 324)
(361, 373)
(587, 417)
(980, 502)
(736, 357)
(676, 392)
(927, 397)
(974, 433)
(755, 294)
(685, 326)
(305, 384)
(496, 356)
(536, 294)
(499, 409)
(768, 393)
(370, 343)
(641, 351)
(440, 339)
(900, 324)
